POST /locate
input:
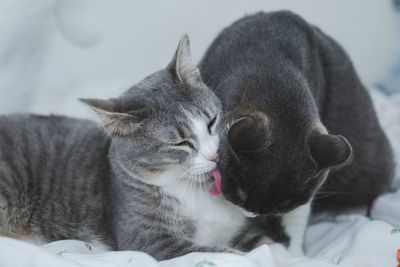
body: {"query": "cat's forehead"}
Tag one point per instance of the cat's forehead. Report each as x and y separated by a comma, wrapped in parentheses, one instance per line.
(182, 118)
(172, 105)
(160, 90)
(186, 107)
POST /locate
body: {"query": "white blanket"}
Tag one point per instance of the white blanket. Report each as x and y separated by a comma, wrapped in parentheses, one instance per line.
(347, 241)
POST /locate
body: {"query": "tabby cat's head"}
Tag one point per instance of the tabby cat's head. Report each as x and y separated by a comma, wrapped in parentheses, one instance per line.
(165, 128)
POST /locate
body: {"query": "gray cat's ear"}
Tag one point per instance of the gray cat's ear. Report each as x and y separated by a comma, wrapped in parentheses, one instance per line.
(330, 151)
(247, 135)
(182, 66)
(117, 123)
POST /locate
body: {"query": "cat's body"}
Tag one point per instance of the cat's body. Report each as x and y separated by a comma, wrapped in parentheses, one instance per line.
(285, 85)
(53, 174)
(57, 172)
(140, 183)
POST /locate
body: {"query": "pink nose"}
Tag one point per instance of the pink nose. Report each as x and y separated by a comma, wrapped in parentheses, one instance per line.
(214, 157)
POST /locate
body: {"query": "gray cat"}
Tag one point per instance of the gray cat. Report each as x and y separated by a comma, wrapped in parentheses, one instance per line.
(142, 184)
(293, 99)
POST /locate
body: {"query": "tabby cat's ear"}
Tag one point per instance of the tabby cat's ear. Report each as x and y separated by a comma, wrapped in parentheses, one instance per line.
(330, 151)
(182, 66)
(117, 123)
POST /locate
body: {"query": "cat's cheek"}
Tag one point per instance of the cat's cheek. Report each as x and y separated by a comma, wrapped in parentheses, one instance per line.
(202, 165)
(209, 147)
(167, 177)
(215, 141)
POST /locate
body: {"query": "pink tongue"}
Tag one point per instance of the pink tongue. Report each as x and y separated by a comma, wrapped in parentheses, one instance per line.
(216, 188)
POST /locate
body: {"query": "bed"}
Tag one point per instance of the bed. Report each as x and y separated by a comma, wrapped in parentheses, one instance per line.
(346, 240)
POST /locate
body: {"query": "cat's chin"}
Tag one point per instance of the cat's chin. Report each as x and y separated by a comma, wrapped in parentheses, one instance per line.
(203, 177)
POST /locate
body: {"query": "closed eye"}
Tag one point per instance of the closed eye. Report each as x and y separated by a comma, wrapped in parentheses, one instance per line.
(185, 143)
(211, 124)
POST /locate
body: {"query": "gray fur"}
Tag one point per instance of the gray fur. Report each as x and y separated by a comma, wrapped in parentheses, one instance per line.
(50, 186)
(283, 83)
(63, 178)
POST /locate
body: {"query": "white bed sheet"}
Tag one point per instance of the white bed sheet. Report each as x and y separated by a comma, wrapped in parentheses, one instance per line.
(350, 240)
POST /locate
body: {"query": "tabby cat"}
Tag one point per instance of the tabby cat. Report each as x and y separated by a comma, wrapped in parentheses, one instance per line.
(140, 183)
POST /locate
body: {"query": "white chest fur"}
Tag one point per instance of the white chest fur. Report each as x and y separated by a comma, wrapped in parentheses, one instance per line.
(295, 223)
(216, 220)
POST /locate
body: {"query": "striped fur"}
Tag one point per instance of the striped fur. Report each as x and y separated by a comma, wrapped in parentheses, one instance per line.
(42, 191)
(139, 183)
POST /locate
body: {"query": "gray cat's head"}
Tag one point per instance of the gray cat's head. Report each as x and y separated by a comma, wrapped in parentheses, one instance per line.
(165, 128)
(274, 166)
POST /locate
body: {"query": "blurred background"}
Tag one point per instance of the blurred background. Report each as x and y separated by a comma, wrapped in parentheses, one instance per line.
(54, 51)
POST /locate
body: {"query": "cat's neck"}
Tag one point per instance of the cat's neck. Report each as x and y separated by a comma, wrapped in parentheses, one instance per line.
(216, 220)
